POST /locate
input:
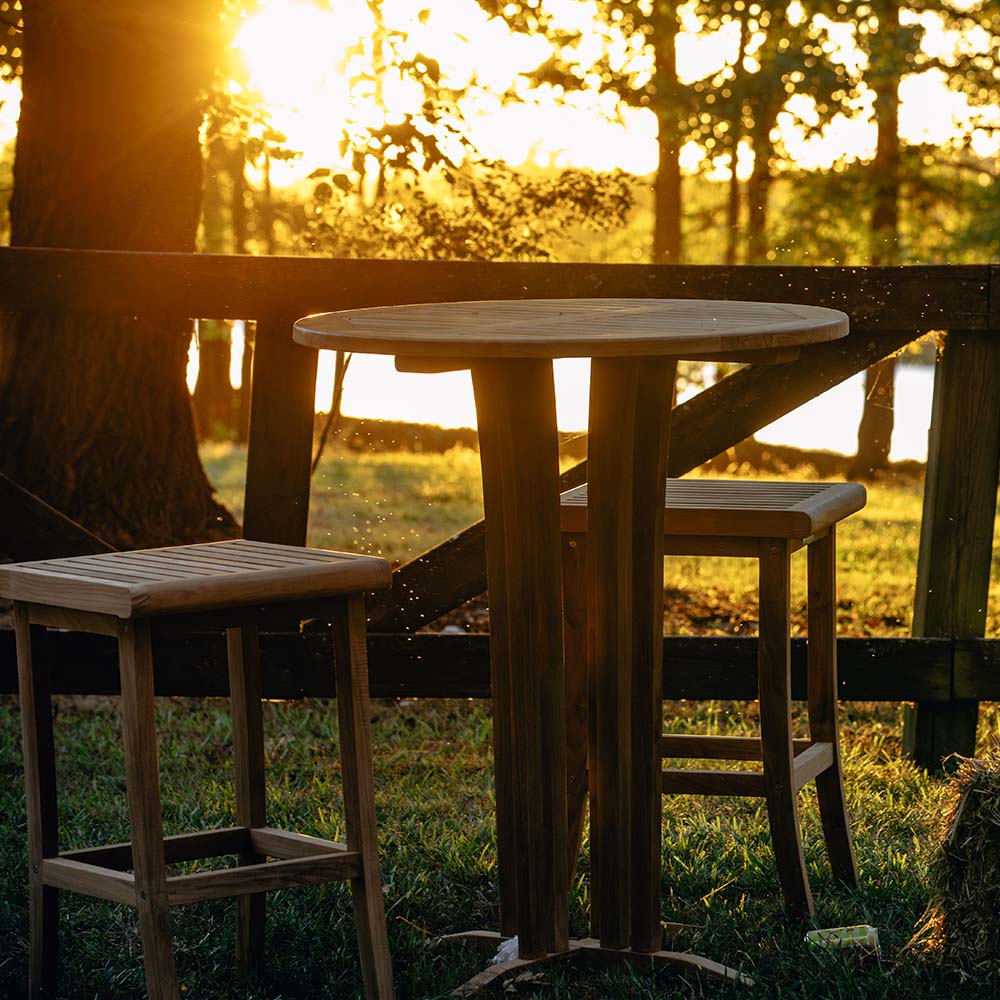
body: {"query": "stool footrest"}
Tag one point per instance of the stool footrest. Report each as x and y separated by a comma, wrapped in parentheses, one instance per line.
(311, 870)
(719, 747)
(176, 850)
(690, 781)
(813, 759)
(90, 880)
(303, 860)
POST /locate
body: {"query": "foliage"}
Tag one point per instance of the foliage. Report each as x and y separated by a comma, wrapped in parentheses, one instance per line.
(479, 210)
(11, 29)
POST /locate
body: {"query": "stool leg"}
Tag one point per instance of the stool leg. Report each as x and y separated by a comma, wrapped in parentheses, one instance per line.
(774, 680)
(248, 752)
(42, 810)
(574, 557)
(822, 647)
(142, 778)
(351, 665)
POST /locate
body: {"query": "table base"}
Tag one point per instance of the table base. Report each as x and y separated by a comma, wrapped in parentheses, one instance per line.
(588, 950)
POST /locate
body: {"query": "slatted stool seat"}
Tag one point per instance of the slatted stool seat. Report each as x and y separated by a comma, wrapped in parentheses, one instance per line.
(136, 596)
(766, 521)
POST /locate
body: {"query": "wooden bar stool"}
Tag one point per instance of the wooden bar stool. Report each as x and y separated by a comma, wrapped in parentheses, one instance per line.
(134, 596)
(766, 521)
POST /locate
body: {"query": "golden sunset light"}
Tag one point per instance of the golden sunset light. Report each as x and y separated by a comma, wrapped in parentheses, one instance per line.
(296, 57)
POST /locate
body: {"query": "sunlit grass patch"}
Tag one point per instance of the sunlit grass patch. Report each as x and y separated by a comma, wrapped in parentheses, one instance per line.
(433, 777)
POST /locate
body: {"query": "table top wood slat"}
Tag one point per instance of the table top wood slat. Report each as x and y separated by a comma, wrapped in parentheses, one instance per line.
(552, 328)
(191, 578)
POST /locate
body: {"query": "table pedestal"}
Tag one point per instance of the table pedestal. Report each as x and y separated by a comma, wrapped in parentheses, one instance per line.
(629, 431)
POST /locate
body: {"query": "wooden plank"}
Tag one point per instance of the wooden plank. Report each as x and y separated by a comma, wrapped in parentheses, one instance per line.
(573, 327)
(32, 529)
(64, 873)
(41, 803)
(244, 287)
(775, 683)
(823, 721)
(956, 537)
(684, 781)
(176, 849)
(718, 418)
(695, 747)
(261, 878)
(458, 666)
(610, 587)
(285, 845)
(279, 449)
(515, 402)
(812, 762)
(350, 664)
(142, 781)
(251, 798)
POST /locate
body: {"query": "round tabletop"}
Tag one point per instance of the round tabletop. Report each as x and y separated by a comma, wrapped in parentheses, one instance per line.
(566, 328)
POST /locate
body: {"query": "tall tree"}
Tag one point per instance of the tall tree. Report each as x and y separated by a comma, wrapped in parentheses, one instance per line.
(891, 38)
(94, 414)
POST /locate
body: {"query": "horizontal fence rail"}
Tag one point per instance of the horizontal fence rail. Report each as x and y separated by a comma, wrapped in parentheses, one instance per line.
(458, 666)
(915, 297)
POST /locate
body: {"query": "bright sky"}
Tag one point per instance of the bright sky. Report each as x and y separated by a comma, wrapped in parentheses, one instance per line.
(295, 53)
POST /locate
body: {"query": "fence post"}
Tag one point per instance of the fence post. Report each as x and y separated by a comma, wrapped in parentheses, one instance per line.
(279, 450)
(956, 532)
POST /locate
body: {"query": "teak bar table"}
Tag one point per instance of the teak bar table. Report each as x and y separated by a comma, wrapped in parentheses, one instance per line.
(635, 345)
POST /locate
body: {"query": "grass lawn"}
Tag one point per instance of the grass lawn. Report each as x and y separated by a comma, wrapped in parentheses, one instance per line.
(434, 788)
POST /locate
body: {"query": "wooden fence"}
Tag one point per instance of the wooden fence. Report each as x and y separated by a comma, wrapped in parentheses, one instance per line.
(945, 669)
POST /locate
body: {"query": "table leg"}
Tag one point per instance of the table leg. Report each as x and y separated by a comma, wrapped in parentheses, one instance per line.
(629, 429)
(515, 404)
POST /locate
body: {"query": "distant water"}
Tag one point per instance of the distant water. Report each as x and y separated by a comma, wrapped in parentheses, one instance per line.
(830, 422)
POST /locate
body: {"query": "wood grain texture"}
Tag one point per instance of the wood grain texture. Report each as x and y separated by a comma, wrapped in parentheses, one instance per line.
(176, 849)
(251, 801)
(812, 762)
(279, 447)
(284, 844)
(613, 390)
(566, 327)
(41, 802)
(142, 779)
(698, 747)
(490, 421)
(823, 692)
(956, 538)
(649, 471)
(745, 508)
(261, 878)
(351, 668)
(90, 880)
(692, 781)
(296, 665)
(774, 682)
(190, 578)
(177, 285)
(515, 402)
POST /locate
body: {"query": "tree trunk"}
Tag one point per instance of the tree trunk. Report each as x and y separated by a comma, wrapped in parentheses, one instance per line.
(667, 240)
(758, 189)
(94, 414)
(878, 415)
(216, 407)
(733, 211)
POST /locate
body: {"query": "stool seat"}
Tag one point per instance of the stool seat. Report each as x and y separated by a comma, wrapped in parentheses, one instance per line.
(137, 597)
(191, 578)
(739, 509)
(765, 521)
